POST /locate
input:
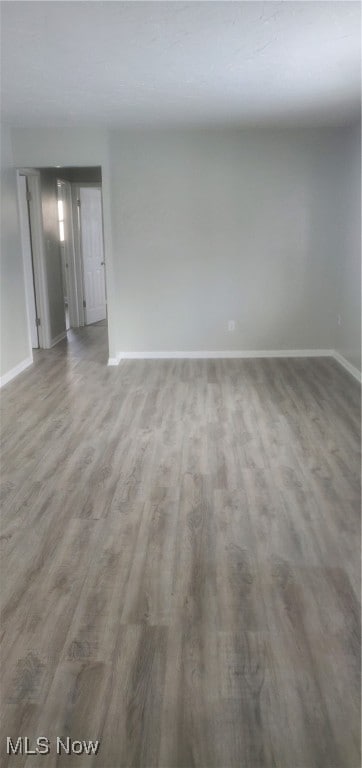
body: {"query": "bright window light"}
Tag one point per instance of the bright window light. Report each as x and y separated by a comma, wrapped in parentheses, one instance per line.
(61, 220)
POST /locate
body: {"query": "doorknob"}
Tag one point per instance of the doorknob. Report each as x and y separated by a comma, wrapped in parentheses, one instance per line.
(102, 263)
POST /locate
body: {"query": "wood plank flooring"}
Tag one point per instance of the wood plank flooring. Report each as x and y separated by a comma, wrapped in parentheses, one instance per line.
(180, 561)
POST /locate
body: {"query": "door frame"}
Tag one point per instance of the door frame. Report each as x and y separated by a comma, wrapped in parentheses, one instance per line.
(38, 253)
(25, 236)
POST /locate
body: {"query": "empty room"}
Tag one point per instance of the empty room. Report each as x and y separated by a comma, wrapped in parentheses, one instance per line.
(180, 384)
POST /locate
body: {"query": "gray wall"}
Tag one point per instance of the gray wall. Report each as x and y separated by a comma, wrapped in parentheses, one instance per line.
(215, 226)
(80, 175)
(15, 346)
(348, 278)
(212, 226)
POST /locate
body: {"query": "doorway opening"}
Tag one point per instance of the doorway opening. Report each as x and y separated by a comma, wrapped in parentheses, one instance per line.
(61, 214)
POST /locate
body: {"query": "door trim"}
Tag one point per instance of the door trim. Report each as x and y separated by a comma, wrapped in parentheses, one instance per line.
(38, 251)
(28, 269)
(78, 253)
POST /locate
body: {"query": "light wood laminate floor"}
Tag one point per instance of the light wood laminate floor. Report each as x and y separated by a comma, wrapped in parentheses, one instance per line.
(180, 560)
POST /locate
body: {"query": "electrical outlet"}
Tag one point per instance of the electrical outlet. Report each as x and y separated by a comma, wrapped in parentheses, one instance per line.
(339, 320)
(231, 325)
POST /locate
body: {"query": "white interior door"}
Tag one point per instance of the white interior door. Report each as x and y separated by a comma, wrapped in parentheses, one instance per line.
(91, 230)
(28, 261)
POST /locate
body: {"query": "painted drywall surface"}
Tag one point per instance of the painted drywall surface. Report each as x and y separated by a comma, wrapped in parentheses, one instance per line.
(15, 346)
(215, 226)
(81, 175)
(180, 63)
(348, 237)
(52, 254)
(49, 147)
(212, 226)
(75, 147)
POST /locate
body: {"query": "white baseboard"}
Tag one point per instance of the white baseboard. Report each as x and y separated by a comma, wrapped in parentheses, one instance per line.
(114, 360)
(348, 366)
(10, 375)
(214, 354)
(57, 339)
(236, 353)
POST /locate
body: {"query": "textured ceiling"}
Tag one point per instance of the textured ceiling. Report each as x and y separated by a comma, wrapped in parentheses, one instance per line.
(116, 63)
